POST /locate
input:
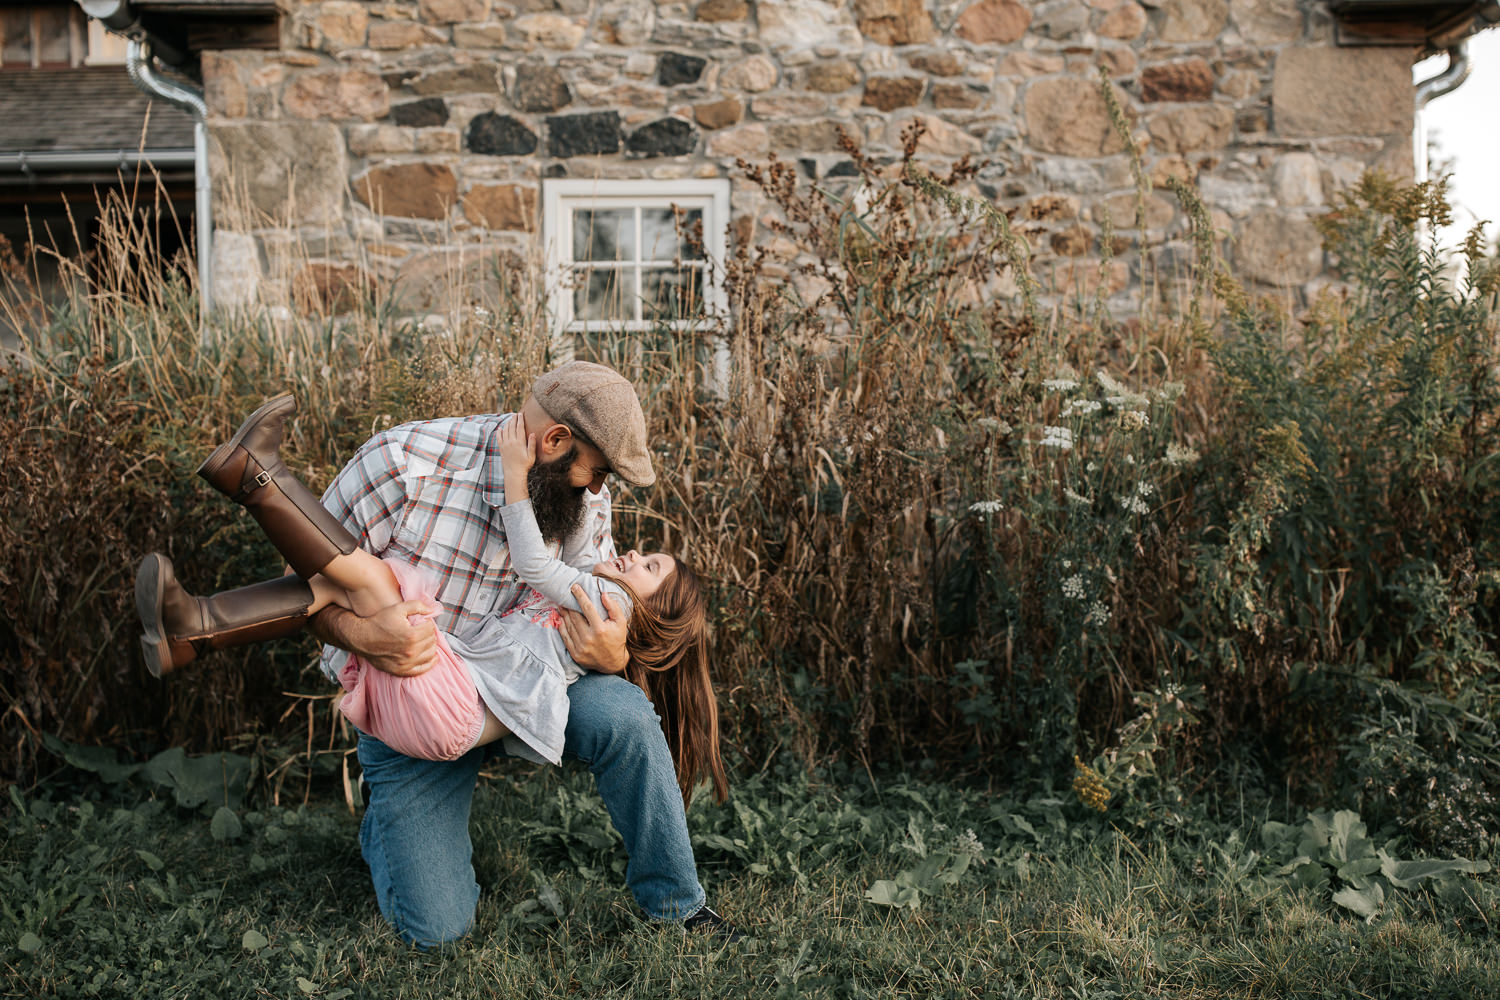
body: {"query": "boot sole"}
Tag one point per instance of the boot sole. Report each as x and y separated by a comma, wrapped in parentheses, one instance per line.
(213, 463)
(149, 592)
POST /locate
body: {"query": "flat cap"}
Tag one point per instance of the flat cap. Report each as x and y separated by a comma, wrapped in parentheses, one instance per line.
(601, 405)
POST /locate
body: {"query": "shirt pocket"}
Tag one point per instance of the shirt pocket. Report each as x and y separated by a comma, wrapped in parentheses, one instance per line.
(439, 513)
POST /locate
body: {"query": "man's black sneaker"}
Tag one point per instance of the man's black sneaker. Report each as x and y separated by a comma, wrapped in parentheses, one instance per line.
(706, 921)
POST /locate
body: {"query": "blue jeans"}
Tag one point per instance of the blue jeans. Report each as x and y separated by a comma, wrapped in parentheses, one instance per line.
(415, 834)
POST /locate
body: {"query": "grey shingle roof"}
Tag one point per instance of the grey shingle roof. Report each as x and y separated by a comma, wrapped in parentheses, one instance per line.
(92, 108)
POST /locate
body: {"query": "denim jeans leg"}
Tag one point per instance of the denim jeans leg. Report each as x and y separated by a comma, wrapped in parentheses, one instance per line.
(613, 729)
(415, 838)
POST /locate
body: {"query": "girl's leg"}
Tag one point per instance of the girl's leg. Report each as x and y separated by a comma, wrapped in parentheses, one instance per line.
(493, 729)
(357, 581)
(248, 469)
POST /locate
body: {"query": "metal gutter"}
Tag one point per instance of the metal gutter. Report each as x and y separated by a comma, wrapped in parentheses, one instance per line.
(140, 65)
(39, 161)
(140, 62)
(1446, 82)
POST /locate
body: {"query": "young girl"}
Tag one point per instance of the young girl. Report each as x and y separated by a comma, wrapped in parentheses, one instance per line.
(508, 677)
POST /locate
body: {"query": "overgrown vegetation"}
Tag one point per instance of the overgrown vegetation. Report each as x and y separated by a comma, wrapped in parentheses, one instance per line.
(1214, 546)
(850, 889)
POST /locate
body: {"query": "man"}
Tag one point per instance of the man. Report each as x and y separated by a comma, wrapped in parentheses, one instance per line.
(430, 493)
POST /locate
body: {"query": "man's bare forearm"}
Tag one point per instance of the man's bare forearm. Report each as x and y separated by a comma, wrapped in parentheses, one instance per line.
(334, 626)
(387, 641)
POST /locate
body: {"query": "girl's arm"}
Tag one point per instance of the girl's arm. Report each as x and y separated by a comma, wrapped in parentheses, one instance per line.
(551, 577)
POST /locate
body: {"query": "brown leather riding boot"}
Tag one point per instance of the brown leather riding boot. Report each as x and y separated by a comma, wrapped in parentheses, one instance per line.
(248, 469)
(180, 627)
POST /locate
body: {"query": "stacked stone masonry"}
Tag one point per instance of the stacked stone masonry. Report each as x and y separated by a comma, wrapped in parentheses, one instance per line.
(390, 135)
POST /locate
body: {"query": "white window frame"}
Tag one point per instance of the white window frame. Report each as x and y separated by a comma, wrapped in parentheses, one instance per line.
(562, 197)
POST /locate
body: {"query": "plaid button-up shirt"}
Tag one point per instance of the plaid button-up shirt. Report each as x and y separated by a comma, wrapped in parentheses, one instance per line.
(430, 493)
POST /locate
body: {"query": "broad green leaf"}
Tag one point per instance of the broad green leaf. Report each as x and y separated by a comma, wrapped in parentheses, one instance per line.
(887, 893)
(1364, 902)
(100, 760)
(549, 898)
(1273, 834)
(1294, 864)
(925, 872)
(152, 861)
(1317, 827)
(253, 941)
(1310, 875)
(918, 844)
(1350, 870)
(1410, 874)
(307, 986)
(225, 824)
(1347, 840)
(219, 778)
(29, 943)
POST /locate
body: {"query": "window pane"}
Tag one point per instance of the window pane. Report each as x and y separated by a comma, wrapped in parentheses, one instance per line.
(604, 294)
(55, 38)
(671, 234)
(672, 294)
(15, 37)
(604, 234)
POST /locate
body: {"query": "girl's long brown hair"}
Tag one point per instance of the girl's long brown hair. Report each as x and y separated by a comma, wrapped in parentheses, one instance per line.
(667, 639)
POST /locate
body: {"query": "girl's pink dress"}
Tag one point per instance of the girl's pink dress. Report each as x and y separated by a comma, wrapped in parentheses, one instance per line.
(434, 715)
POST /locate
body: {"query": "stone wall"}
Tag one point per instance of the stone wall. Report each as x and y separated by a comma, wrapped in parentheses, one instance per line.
(400, 136)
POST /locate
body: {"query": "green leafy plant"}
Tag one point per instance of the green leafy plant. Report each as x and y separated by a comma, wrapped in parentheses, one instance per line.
(938, 868)
(1332, 854)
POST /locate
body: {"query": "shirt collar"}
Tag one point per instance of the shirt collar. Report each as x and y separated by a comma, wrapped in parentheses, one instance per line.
(494, 469)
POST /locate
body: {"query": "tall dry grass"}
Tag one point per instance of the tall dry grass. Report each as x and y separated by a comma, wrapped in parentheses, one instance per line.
(947, 512)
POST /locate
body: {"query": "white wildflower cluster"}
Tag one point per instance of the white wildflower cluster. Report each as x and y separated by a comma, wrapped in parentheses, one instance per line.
(1135, 503)
(986, 507)
(1077, 499)
(1060, 438)
(1135, 420)
(999, 428)
(1060, 384)
(1082, 407)
(1072, 587)
(967, 843)
(1118, 396)
(1170, 392)
(1179, 455)
(1098, 614)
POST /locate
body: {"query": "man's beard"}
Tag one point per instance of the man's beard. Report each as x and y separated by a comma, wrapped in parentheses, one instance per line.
(559, 505)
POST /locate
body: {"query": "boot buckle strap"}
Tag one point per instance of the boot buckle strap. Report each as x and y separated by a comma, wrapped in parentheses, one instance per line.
(261, 480)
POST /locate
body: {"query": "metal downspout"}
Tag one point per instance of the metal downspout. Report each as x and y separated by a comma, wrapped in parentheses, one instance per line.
(140, 65)
(1449, 80)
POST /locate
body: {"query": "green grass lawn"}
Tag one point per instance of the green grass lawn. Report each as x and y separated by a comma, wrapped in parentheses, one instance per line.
(108, 892)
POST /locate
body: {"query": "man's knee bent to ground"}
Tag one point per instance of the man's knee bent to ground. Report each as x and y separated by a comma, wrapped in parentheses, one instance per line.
(415, 839)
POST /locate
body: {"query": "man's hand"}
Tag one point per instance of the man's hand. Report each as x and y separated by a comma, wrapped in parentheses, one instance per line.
(386, 640)
(596, 643)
